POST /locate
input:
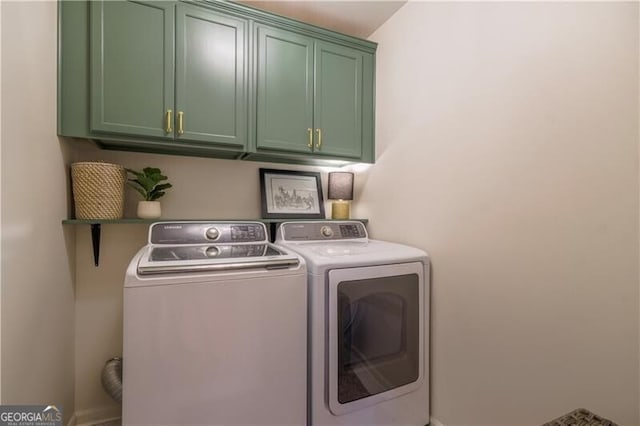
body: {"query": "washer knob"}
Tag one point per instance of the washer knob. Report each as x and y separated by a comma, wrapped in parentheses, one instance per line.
(212, 251)
(326, 231)
(212, 233)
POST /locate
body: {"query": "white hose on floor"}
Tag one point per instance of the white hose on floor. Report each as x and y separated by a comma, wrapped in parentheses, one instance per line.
(112, 378)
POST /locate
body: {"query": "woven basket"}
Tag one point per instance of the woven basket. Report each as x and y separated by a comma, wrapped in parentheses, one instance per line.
(98, 190)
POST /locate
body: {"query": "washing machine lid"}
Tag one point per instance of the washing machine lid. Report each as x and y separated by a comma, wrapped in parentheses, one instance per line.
(213, 258)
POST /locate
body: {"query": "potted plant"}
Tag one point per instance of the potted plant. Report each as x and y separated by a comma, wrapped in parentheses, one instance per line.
(147, 183)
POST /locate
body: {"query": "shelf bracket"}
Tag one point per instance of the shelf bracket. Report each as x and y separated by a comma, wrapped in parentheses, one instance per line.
(95, 240)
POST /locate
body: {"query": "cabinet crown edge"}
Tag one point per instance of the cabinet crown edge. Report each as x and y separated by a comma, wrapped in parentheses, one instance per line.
(288, 23)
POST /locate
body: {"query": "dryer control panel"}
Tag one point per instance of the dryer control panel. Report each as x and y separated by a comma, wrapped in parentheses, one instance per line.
(322, 231)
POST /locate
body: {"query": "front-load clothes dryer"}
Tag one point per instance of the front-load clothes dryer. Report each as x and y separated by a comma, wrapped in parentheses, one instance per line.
(215, 328)
(368, 325)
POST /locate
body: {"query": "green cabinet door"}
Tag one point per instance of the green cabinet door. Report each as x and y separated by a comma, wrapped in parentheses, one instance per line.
(132, 67)
(284, 93)
(211, 76)
(338, 101)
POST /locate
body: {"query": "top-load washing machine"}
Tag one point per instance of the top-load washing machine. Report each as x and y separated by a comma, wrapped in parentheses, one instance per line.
(215, 328)
(368, 325)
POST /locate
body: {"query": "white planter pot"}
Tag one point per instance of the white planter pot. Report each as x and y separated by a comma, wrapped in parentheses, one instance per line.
(149, 209)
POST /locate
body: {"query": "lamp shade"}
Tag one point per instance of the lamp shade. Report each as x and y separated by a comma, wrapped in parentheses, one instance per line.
(340, 186)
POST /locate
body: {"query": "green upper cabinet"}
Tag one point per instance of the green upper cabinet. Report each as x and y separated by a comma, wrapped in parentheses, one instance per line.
(211, 76)
(168, 71)
(284, 90)
(310, 98)
(338, 101)
(132, 78)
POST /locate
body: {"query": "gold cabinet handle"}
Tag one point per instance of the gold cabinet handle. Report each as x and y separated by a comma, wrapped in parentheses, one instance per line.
(310, 144)
(167, 127)
(180, 122)
(319, 143)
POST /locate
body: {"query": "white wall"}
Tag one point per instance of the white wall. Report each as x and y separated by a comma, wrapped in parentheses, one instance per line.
(204, 188)
(507, 144)
(37, 251)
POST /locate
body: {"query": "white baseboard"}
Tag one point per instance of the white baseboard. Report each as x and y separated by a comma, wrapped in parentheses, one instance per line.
(95, 416)
(435, 422)
(101, 415)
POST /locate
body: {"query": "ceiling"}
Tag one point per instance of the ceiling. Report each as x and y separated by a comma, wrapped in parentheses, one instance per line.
(356, 18)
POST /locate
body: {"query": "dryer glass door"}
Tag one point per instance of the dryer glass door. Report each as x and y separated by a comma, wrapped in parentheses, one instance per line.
(376, 328)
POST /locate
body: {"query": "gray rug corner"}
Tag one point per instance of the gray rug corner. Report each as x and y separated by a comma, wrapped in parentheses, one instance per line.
(580, 417)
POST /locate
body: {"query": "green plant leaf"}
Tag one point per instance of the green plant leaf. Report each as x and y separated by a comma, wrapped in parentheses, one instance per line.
(147, 182)
(135, 173)
(157, 177)
(162, 187)
(154, 196)
(151, 171)
(156, 191)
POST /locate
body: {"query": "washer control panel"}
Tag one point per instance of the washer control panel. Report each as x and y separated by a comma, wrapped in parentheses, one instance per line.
(207, 232)
(322, 231)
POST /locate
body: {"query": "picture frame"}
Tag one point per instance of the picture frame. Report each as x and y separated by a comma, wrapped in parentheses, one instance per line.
(289, 194)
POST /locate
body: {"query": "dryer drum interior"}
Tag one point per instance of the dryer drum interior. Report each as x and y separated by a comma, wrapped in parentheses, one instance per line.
(378, 335)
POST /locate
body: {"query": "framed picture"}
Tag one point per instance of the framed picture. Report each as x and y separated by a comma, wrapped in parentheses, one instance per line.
(288, 194)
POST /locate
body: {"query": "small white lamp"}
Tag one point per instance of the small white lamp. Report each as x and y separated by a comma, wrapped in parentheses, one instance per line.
(340, 189)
